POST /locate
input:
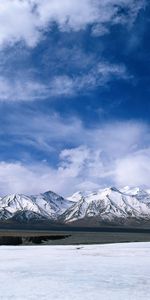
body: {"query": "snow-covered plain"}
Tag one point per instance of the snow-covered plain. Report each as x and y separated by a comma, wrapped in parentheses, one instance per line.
(91, 272)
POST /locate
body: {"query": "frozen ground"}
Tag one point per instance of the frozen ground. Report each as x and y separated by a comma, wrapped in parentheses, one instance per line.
(95, 272)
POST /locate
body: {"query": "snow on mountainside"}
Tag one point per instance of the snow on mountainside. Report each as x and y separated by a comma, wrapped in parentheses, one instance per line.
(46, 206)
(108, 206)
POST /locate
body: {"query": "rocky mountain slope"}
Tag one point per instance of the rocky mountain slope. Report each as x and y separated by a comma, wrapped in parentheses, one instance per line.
(104, 206)
(46, 206)
(109, 206)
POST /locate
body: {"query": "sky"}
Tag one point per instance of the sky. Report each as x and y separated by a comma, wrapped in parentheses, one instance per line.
(74, 95)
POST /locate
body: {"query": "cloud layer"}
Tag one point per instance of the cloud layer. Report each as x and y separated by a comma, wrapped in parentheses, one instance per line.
(27, 20)
(72, 49)
(27, 24)
(23, 89)
(112, 154)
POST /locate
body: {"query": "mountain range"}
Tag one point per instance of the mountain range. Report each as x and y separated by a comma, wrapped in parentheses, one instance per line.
(109, 206)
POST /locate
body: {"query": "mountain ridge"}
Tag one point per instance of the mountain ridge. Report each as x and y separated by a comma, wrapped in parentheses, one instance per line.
(104, 206)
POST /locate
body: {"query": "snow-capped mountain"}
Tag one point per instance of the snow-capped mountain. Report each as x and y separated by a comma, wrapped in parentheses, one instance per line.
(90, 208)
(109, 206)
(46, 206)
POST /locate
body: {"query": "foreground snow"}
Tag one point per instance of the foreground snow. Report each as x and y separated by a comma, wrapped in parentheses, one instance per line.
(118, 271)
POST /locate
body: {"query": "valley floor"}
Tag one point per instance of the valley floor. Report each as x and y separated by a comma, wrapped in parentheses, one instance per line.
(113, 271)
(60, 237)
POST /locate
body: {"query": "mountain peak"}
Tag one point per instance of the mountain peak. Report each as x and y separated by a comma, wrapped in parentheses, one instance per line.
(109, 205)
(50, 193)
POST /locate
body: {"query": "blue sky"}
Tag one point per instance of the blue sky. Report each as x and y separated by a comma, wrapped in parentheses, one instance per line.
(74, 95)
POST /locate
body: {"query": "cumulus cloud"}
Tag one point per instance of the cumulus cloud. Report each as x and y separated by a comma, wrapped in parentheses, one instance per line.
(16, 177)
(29, 179)
(134, 168)
(18, 23)
(27, 20)
(111, 154)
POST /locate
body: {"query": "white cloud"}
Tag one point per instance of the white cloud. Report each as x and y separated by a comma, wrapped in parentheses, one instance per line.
(134, 169)
(42, 132)
(23, 89)
(100, 30)
(33, 18)
(106, 71)
(26, 20)
(51, 130)
(18, 22)
(114, 154)
(62, 86)
(99, 75)
(16, 177)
